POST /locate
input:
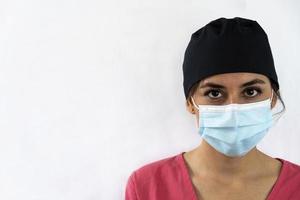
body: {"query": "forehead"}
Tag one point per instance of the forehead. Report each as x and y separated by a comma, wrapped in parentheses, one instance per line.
(233, 78)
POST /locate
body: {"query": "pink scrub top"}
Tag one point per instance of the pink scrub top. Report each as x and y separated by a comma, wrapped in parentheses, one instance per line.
(168, 179)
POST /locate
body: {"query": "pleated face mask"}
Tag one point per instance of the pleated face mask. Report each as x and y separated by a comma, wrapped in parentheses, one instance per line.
(235, 129)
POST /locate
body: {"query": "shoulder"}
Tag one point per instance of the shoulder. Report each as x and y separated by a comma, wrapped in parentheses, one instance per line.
(155, 178)
(291, 167)
(156, 171)
(288, 183)
(164, 166)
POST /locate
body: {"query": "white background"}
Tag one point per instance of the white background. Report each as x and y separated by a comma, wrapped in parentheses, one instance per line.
(91, 90)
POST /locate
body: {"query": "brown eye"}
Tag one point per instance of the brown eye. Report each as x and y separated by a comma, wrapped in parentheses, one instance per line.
(214, 94)
(252, 92)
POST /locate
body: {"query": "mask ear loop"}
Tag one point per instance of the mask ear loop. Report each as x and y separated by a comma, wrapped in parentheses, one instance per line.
(194, 102)
(271, 99)
(197, 122)
(272, 96)
(275, 114)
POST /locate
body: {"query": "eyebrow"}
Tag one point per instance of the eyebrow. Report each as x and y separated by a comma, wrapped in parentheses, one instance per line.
(254, 81)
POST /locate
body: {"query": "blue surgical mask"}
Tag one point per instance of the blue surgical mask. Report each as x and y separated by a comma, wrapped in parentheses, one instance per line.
(235, 129)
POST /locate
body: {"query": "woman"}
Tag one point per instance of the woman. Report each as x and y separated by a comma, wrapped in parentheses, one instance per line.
(231, 86)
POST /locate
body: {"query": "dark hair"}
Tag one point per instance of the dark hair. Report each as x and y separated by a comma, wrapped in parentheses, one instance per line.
(273, 85)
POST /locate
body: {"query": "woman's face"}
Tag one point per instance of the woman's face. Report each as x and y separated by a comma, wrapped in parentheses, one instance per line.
(228, 88)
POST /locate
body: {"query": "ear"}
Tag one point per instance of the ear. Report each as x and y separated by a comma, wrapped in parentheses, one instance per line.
(274, 100)
(189, 106)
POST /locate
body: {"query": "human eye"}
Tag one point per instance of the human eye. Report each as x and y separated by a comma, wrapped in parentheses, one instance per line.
(213, 93)
(252, 92)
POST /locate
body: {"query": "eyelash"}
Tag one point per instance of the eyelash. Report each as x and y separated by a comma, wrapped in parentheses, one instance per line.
(259, 91)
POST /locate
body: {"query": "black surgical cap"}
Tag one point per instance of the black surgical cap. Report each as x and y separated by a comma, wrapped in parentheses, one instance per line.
(224, 46)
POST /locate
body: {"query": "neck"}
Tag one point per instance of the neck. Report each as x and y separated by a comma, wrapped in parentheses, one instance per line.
(210, 162)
